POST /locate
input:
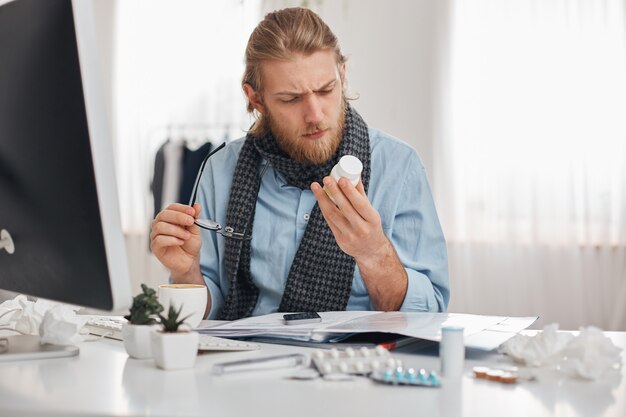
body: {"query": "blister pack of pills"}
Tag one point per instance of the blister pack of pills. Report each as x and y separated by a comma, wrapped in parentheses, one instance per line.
(376, 363)
(408, 376)
(362, 361)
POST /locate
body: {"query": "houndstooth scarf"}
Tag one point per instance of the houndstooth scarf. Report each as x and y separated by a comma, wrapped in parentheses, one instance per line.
(320, 278)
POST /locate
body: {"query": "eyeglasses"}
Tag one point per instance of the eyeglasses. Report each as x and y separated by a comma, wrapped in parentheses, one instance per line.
(212, 225)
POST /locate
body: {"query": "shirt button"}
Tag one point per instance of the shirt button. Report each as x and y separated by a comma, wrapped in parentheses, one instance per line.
(306, 216)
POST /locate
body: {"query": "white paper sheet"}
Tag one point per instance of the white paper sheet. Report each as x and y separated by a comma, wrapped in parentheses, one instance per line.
(482, 332)
(273, 325)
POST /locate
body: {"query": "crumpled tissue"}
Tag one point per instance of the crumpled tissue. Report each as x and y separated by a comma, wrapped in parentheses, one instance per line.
(588, 355)
(55, 323)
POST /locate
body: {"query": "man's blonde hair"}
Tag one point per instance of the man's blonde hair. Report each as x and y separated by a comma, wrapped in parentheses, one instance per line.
(277, 37)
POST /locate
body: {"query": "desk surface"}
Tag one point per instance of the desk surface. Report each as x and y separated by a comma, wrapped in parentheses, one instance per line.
(103, 380)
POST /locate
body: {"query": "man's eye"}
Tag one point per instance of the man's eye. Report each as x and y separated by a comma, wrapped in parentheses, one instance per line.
(291, 100)
(324, 92)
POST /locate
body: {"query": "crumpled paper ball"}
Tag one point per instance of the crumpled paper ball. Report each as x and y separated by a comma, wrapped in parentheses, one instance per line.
(23, 315)
(54, 322)
(61, 326)
(9, 308)
(588, 355)
(539, 350)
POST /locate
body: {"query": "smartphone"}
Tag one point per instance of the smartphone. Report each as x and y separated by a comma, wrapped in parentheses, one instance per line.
(302, 318)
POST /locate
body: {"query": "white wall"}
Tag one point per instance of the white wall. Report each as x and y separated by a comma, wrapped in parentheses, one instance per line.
(393, 61)
(104, 24)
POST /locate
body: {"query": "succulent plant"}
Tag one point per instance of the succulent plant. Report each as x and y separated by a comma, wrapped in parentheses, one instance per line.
(171, 323)
(145, 307)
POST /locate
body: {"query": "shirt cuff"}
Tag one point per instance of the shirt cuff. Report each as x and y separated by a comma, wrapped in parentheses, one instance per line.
(420, 295)
(217, 301)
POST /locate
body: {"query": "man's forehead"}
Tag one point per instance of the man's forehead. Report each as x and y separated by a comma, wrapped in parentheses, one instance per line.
(299, 74)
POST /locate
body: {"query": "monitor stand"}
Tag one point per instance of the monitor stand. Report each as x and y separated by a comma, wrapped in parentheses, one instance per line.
(24, 347)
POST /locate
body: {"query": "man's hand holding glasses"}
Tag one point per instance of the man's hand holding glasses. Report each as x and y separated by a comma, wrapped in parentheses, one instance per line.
(175, 240)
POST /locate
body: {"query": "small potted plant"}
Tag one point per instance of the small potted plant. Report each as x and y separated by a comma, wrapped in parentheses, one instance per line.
(173, 347)
(141, 322)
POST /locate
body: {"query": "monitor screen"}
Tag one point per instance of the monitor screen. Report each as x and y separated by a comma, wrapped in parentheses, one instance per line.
(59, 212)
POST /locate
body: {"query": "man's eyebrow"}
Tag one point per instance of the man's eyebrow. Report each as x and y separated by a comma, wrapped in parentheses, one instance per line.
(297, 93)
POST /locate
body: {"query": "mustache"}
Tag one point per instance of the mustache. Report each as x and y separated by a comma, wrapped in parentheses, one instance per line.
(315, 128)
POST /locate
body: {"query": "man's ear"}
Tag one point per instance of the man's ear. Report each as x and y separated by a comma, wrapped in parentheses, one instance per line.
(342, 73)
(254, 98)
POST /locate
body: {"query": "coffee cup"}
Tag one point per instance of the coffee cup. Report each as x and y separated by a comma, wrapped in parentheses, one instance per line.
(191, 297)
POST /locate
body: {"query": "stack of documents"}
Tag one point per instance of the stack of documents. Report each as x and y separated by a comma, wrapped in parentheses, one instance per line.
(481, 332)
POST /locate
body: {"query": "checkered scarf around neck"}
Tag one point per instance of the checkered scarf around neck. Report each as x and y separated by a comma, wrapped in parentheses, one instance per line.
(320, 278)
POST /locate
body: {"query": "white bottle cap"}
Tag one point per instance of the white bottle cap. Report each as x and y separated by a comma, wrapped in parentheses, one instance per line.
(350, 167)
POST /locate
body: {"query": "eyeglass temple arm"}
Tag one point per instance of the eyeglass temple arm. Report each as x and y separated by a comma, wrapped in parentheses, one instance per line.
(206, 158)
(208, 224)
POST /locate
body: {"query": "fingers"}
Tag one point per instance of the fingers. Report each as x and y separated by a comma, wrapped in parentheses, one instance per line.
(329, 210)
(169, 229)
(345, 208)
(352, 201)
(355, 223)
(358, 200)
(160, 242)
(174, 225)
(178, 214)
(360, 188)
(197, 209)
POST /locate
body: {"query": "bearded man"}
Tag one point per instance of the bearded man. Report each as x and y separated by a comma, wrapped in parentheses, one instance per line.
(286, 246)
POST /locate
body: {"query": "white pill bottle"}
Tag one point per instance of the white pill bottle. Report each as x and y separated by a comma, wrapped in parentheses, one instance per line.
(452, 351)
(349, 167)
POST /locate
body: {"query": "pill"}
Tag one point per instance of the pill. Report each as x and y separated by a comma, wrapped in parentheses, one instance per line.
(433, 378)
(494, 374)
(508, 378)
(480, 371)
(381, 351)
(387, 376)
(422, 376)
(411, 375)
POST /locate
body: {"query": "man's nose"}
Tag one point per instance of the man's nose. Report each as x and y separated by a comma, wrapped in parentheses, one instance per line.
(313, 109)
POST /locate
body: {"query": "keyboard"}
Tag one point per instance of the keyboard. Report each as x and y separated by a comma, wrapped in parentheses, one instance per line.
(106, 326)
(111, 327)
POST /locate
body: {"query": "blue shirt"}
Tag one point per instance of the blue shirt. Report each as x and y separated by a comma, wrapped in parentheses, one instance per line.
(398, 190)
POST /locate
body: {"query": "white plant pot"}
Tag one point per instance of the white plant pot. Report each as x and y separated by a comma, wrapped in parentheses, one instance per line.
(174, 350)
(137, 340)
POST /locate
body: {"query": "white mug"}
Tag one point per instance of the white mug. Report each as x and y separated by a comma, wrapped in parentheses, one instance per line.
(192, 297)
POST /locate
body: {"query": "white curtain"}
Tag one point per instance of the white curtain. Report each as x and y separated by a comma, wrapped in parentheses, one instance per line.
(531, 159)
(177, 67)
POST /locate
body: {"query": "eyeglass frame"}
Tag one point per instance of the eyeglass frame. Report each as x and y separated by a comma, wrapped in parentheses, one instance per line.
(212, 225)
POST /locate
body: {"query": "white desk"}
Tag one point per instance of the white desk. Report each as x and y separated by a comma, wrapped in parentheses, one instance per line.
(102, 380)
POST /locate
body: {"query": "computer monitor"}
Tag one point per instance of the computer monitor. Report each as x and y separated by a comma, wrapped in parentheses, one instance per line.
(59, 213)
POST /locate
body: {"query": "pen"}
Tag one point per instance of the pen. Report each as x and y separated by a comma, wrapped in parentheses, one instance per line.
(266, 362)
